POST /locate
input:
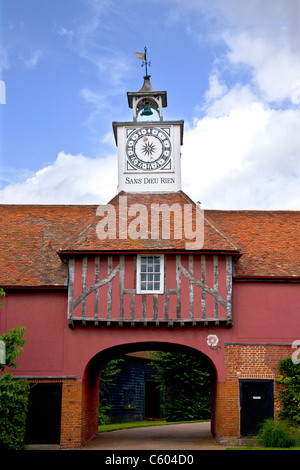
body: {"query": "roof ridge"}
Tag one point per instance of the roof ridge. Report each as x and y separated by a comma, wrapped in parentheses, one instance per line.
(213, 225)
(218, 242)
(223, 234)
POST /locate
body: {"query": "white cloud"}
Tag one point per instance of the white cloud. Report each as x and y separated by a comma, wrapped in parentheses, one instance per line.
(33, 60)
(68, 33)
(263, 35)
(216, 88)
(243, 155)
(275, 67)
(98, 102)
(4, 60)
(71, 179)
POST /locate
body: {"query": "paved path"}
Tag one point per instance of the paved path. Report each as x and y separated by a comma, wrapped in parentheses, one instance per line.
(187, 436)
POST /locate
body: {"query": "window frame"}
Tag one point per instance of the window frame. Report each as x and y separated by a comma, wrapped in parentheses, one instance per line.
(161, 272)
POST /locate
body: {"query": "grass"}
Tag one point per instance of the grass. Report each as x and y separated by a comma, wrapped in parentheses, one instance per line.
(140, 424)
(262, 448)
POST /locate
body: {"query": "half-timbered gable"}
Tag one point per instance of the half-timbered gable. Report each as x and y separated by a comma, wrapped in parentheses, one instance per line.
(187, 286)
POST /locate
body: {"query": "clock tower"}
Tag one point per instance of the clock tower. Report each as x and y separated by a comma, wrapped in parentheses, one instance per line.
(148, 151)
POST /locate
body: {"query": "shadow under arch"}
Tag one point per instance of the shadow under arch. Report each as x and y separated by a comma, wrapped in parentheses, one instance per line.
(98, 361)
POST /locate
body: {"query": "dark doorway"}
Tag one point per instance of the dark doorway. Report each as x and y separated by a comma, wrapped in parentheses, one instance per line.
(44, 414)
(152, 399)
(257, 404)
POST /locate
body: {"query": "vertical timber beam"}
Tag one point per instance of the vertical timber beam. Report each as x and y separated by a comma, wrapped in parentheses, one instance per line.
(229, 287)
(166, 295)
(216, 286)
(84, 274)
(178, 286)
(203, 293)
(109, 288)
(97, 277)
(71, 276)
(121, 288)
(191, 289)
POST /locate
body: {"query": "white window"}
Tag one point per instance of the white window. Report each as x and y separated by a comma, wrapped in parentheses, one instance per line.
(150, 274)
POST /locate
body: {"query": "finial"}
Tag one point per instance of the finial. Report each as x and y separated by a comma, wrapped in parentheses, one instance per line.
(143, 57)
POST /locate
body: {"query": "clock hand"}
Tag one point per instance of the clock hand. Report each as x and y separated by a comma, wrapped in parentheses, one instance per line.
(148, 148)
(150, 154)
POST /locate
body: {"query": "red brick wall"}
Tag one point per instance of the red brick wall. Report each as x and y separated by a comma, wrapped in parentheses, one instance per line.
(71, 414)
(244, 361)
(79, 418)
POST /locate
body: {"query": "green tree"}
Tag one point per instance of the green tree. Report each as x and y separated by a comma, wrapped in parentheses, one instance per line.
(14, 394)
(13, 411)
(14, 343)
(290, 394)
(2, 294)
(185, 379)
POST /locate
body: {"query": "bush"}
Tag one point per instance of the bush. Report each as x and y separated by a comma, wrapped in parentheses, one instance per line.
(13, 412)
(14, 394)
(297, 437)
(184, 408)
(290, 393)
(275, 434)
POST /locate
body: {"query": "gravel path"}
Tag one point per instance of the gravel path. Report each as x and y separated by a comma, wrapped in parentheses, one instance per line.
(187, 436)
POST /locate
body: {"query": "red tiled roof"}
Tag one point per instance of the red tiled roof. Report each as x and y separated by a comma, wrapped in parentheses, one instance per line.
(269, 241)
(86, 239)
(32, 235)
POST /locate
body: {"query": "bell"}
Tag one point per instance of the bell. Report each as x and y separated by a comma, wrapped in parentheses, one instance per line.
(146, 111)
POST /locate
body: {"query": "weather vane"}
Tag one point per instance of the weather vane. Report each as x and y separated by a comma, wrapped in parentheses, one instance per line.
(143, 57)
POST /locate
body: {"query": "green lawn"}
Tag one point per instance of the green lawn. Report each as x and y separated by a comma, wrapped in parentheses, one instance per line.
(262, 448)
(139, 424)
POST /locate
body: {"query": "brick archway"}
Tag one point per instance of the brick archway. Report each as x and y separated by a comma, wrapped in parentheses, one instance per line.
(80, 400)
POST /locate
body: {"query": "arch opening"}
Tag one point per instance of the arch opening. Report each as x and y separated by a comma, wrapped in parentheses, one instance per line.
(129, 403)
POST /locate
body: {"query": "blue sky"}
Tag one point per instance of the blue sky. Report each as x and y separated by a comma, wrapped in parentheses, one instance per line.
(231, 70)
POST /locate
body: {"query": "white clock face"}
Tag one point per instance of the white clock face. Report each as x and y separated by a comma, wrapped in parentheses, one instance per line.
(148, 149)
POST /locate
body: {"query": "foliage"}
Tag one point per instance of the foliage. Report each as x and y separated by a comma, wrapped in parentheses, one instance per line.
(276, 434)
(290, 394)
(13, 411)
(2, 294)
(14, 394)
(186, 380)
(14, 343)
(106, 381)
